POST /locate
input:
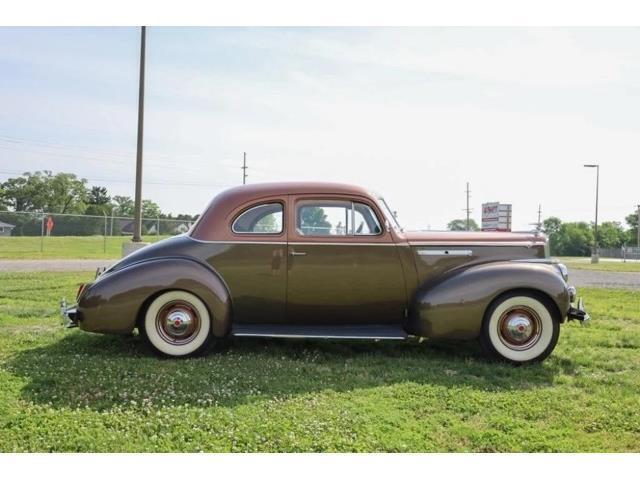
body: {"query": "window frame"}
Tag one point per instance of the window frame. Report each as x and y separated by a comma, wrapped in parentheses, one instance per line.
(254, 206)
(318, 201)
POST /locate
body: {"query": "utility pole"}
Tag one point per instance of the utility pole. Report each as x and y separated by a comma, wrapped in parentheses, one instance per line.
(468, 209)
(638, 229)
(137, 220)
(539, 217)
(594, 254)
(244, 169)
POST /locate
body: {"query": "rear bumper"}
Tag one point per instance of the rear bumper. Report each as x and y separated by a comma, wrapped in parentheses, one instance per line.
(69, 314)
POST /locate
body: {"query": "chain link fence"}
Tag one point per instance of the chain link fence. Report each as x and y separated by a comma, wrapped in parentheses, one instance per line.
(22, 233)
(624, 253)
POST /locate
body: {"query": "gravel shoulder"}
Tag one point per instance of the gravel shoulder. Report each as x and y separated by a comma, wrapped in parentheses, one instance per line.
(595, 278)
(62, 265)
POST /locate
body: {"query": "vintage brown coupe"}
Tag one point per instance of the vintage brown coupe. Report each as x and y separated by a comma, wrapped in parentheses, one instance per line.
(328, 260)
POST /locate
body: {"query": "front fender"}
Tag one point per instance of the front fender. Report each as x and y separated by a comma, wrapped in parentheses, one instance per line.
(114, 302)
(453, 306)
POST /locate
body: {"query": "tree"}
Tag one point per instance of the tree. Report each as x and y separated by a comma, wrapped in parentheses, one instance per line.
(31, 192)
(551, 227)
(150, 209)
(98, 201)
(314, 218)
(575, 239)
(611, 235)
(123, 206)
(460, 224)
(632, 233)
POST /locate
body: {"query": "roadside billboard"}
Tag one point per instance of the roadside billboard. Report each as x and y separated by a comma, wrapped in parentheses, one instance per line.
(496, 217)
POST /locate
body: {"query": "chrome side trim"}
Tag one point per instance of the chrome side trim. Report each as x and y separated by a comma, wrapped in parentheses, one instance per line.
(370, 244)
(293, 335)
(473, 244)
(245, 242)
(446, 253)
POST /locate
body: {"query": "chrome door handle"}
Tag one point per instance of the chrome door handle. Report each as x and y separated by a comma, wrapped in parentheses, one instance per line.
(297, 254)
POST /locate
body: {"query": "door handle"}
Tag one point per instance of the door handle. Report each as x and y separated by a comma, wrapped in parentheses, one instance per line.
(297, 254)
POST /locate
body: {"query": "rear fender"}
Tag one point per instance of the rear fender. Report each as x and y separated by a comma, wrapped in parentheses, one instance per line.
(116, 300)
(453, 306)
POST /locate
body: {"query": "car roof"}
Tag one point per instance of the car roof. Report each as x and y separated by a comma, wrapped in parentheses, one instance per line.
(212, 224)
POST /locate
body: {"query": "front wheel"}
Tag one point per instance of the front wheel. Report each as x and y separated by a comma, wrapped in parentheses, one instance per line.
(520, 328)
(177, 324)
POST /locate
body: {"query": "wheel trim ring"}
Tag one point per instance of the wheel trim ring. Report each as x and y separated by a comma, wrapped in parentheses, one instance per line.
(183, 308)
(534, 322)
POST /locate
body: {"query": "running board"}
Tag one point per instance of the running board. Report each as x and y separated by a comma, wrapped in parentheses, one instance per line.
(364, 332)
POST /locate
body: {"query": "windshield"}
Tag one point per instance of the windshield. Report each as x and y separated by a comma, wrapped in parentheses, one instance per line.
(390, 215)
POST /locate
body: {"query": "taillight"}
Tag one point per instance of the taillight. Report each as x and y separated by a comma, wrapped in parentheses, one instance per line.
(80, 290)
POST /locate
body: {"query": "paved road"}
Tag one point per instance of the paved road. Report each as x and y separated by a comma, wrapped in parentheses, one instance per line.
(52, 265)
(579, 278)
(592, 278)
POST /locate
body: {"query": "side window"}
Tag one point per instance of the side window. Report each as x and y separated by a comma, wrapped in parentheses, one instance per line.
(262, 219)
(336, 218)
(365, 221)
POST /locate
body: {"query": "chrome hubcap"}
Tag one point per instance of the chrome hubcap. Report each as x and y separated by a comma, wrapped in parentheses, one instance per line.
(178, 322)
(519, 328)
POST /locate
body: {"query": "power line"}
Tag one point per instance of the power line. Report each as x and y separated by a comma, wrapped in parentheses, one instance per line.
(151, 182)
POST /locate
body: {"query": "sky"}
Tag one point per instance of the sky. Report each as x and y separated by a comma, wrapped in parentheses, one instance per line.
(411, 113)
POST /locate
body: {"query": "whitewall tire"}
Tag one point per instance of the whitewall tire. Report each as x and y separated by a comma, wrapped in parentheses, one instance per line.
(520, 327)
(177, 324)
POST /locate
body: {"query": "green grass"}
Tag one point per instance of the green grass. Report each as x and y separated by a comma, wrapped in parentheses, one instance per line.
(66, 247)
(67, 390)
(584, 263)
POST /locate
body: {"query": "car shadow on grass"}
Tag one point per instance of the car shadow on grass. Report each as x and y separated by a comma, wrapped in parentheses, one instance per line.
(102, 372)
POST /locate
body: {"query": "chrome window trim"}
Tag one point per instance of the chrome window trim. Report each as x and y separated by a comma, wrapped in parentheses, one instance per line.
(282, 227)
(302, 202)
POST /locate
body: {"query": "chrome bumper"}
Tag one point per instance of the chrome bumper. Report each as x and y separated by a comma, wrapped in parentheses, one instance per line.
(69, 314)
(579, 313)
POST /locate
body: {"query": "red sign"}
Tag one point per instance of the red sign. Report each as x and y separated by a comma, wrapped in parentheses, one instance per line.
(49, 225)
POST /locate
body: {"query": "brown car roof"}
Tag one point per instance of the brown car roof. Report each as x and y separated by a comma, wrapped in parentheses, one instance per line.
(211, 225)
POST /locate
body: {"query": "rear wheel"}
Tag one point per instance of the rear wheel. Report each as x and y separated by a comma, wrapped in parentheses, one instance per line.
(520, 327)
(177, 324)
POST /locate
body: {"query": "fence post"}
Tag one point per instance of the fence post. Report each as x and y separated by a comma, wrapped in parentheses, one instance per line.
(158, 228)
(105, 232)
(42, 233)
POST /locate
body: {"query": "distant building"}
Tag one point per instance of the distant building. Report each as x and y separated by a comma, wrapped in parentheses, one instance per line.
(5, 229)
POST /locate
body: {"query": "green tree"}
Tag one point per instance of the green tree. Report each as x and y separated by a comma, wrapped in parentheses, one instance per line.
(632, 233)
(123, 206)
(41, 190)
(575, 239)
(98, 201)
(611, 235)
(460, 224)
(150, 209)
(551, 227)
(314, 217)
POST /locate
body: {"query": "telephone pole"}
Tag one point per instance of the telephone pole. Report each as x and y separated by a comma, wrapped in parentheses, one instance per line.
(539, 224)
(638, 229)
(244, 169)
(137, 221)
(468, 209)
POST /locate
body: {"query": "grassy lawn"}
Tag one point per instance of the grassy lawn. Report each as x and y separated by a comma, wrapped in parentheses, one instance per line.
(584, 263)
(65, 247)
(66, 390)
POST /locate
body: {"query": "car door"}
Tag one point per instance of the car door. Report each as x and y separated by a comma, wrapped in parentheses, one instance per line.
(343, 267)
(252, 261)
